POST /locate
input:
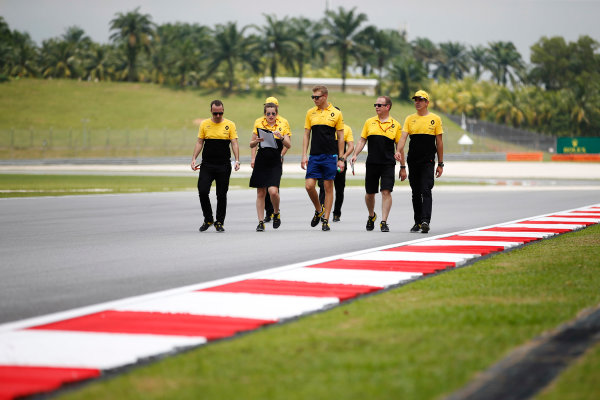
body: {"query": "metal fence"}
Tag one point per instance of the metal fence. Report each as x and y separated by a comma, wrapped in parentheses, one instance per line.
(37, 143)
(520, 137)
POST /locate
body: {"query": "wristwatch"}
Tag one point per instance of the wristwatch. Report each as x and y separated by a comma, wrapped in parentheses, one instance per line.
(341, 159)
(441, 164)
(403, 166)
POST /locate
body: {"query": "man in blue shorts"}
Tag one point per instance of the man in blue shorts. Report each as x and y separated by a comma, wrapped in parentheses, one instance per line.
(326, 126)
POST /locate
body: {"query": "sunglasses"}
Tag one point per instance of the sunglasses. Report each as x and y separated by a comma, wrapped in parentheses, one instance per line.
(379, 105)
(270, 113)
(316, 97)
(420, 99)
(217, 113)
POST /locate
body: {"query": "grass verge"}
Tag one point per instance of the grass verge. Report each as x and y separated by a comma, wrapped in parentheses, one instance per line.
(70, 119)
(579, 381)
(28, 185)
(418, 341)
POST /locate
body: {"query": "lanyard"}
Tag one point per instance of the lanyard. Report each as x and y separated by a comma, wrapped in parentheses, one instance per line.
(391, 122)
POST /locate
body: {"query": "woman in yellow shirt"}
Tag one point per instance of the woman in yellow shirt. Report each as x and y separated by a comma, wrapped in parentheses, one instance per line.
(270, 135)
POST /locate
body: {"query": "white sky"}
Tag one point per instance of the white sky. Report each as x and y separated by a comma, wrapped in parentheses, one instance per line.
(470, 22)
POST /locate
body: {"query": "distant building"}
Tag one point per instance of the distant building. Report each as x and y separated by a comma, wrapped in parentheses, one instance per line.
(359, 86)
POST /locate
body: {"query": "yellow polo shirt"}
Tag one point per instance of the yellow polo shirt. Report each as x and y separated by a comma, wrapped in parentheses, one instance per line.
(323, 125)
(217, 138)
(381, 138)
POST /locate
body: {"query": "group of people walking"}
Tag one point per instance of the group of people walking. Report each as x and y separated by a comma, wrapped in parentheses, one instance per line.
(326, 146)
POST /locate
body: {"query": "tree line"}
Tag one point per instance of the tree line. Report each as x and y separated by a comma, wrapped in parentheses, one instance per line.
(557, 93)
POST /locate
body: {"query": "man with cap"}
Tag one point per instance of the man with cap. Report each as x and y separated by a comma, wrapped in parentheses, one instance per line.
(284, 123)
(425, 131)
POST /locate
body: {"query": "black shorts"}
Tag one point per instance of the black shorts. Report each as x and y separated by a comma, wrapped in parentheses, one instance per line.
(376, 172)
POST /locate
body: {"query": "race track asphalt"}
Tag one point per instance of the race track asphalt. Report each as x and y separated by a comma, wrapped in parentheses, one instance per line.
(60, 253)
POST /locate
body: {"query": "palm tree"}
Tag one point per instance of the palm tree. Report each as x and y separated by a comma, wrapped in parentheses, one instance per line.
(342, 28)
(97, 62)
(178, 54)
(407, 74)
(505, 62)
(187, 61)
(233, 49)
(426, 52)
(64, 57)
(454, 61)
(77, 38)
(136, 31)
(507, 108)
(479, 58)
(584, 99)
(308, 38)
(378, 47)
(22, 56)
(5, 45)
(57, 59)
(277, 43)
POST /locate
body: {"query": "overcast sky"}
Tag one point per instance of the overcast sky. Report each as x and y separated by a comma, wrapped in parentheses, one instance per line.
(470, 22)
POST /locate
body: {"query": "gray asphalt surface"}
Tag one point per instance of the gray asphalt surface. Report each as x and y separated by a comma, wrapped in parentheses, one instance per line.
(59, 253)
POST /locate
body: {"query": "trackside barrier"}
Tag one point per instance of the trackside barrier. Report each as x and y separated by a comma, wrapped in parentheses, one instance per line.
(576, 157)
(533, 156)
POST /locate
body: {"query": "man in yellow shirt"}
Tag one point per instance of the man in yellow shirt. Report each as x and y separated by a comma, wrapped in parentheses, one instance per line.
(215, 135)
(324, 122)
(382, 132)
(425, 131)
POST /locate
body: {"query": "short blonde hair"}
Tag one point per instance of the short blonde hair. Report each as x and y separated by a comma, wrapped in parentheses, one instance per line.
(320, 88)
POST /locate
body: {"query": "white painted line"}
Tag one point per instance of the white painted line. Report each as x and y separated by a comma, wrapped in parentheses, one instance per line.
(85, 349)
(344, 276)
(444, 242)
(565, 219)
(542, 226)
(240, 305)
(508, 234)
(593, 217)
(413, 256)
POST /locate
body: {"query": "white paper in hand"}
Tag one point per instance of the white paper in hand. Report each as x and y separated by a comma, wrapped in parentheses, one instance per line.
(269, 139)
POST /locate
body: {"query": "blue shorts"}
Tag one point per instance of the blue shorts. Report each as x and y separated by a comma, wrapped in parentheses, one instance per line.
(322, 166)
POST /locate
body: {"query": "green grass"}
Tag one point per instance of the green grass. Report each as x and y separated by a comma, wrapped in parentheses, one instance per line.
(29, 185)
(419, 341)
(61, 185)
(66, 119)
(580, 380)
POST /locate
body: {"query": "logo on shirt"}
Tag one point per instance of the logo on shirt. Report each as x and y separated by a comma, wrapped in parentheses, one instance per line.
(227, 127)
(432, 122)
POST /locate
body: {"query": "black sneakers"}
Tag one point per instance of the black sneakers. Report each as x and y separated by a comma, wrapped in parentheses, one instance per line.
(415, 228)
(384, 226)
(425, 227)
(260, 227)
(325, 226)
(371, 222)
(317, 217)
(268, 217)
(336, 218)
(276, 220)
(205, 226)
(219, 226)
